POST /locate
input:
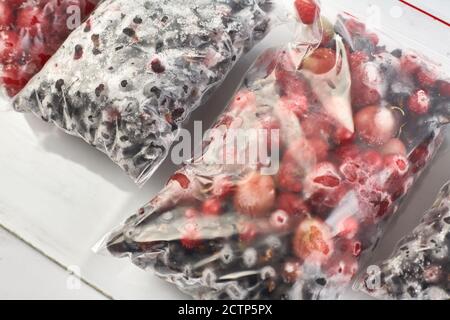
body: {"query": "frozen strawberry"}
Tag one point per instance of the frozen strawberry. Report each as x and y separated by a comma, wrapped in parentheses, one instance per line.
(293, 204)
(10, 46)
(6, 15)
(376, 125)
(321, 61)
(255, 195)
(419, 103)
(307, 10)
(394, 146)
(323, 176)
(212, 207)
(313, 241)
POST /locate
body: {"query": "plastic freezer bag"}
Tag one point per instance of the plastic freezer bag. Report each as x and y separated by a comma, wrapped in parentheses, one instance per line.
(352, 123)
(30, 32)
(127, 78)
(420, 266)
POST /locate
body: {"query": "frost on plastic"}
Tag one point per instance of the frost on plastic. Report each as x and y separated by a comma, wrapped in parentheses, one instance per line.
(358, 123)
(420, 266)
(30, 32)
(127, 78)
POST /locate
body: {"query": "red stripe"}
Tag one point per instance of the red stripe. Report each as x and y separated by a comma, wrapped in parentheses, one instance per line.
(425, 12)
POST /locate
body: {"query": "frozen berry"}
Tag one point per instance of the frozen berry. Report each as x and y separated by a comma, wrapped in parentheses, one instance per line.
(255, 195)
(6, 15)
(321, 61)
(212, 207)
(398, 163)
(30, 18)
(394, 146)
(308, 10)
(323, 176)
(313, 241)
(426, 78)
(376, 125)
(293, 204)
(419, 102)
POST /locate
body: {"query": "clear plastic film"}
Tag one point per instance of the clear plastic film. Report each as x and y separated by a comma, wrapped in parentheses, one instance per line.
(348, 125)
(126, 79)
(30, 32)
(419, 268)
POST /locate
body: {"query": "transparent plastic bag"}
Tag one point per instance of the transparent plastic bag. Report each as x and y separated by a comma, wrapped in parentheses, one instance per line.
(357, 125)
(127, 78)
(419, 268)
(30, 32)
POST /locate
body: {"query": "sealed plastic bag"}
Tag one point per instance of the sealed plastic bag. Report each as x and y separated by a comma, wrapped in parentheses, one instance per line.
(30, 32)
(127, 78)
(357, 124)
(420, 266)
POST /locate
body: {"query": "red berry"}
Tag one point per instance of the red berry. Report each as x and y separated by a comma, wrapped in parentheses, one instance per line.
(399, 164)
(409, 64)
(426, 78)
(279, 220)
(419, 102)
(313, 241)
(255, 195)
(10, 46)
(376, 125)
(307, 10)
(298, 104)
(444, 88)
(293, 204)
(6, 15)
(212, 207)
(367, 82)
(394, 146)
(323, 176)
(321, 61)
(190, 236)
(30, 18)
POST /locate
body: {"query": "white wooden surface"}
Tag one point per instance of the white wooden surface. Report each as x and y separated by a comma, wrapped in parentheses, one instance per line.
(61, 196)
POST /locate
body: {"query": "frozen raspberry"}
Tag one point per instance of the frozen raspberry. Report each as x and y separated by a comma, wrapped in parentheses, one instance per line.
(307, 10)
(212, 207)
(321, 61)
(394, 146)
(376, 125)
(293, 204)
(313, 241)
(255, 195)
(419, 102)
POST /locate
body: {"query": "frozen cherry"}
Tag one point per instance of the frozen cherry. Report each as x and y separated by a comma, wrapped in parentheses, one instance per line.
(376, 125)
(255, 195)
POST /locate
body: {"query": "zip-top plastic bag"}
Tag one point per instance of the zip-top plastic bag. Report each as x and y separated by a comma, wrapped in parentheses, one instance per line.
(126, 79)
(419, 268)
(30, 32)
(300, 174)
